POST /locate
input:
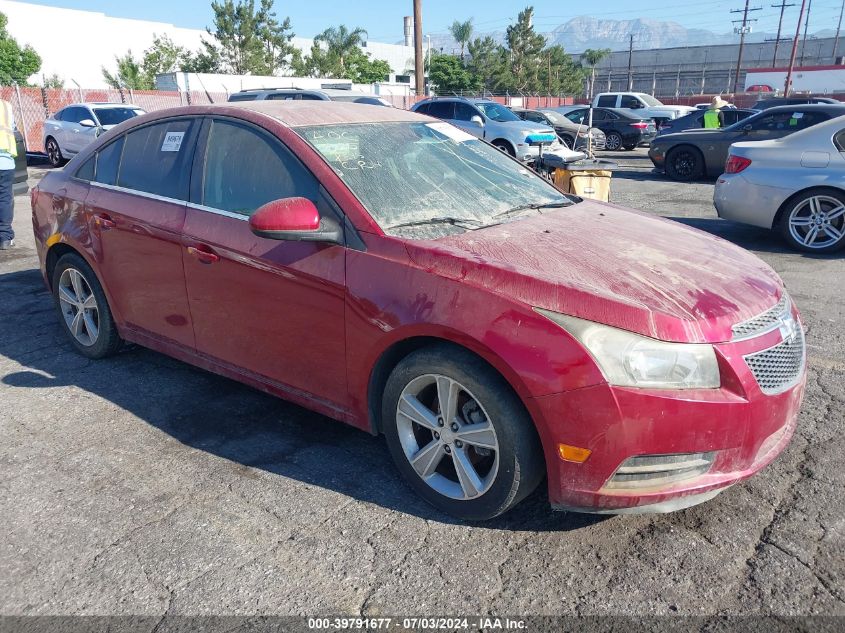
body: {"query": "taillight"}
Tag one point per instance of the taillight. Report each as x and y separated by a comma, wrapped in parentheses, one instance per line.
(640, 125)
(736, 164)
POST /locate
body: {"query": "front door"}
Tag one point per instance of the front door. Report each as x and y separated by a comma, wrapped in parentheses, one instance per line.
(272, 308)
(136, 206)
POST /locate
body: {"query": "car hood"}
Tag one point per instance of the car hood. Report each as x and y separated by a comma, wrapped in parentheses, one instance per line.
(603, 263)
(529, 127)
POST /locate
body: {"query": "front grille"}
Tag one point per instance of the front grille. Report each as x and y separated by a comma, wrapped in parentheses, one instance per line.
(648, 471)
(778, 368)
(768, 320)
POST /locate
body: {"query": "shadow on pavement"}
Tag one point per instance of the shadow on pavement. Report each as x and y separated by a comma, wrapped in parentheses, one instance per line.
(225, 418)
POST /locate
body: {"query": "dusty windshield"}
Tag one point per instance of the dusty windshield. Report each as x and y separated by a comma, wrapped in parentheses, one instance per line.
(425, 180)
(497, 112)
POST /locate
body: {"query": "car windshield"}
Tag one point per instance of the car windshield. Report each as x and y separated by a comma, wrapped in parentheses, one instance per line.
(425, 180)
(650, 101)
(113, 116)
(555, 117)
(497, 112)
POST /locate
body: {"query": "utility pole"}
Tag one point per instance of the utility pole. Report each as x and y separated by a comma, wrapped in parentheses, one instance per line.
(787, 86)
(742, 30)
(419, 70)
(630, 60)
(806, 24)
(838, 26)
(782, 6)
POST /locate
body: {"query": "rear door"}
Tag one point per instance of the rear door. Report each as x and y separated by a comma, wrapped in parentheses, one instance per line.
(273, 309)
(137, 207)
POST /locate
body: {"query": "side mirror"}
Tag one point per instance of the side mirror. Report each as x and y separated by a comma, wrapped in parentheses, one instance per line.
(477, 120)
(87, 123)
(294, 219)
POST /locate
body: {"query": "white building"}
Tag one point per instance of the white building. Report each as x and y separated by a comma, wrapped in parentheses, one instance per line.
(76, 44)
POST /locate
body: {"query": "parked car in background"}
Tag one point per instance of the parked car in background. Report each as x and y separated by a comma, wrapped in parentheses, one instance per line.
(623, 129)
(765, 103)
(301, 94)
(701, 153)
(759, 88)
(794, 185)
(72, 128)
(490, 121)
(573, 135)
(695, 120)
(645, 105)
(411, 280)
(20, 186)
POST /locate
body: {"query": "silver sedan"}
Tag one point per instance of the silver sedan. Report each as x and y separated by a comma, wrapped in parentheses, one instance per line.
(794, 185)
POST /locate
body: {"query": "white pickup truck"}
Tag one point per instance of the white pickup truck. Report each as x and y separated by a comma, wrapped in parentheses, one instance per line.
(644, 104)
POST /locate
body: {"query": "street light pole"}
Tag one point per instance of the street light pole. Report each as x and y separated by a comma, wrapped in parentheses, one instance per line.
(787, 86)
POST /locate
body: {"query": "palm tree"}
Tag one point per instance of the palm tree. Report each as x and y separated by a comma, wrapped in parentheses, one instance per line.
(462, 32)
(592, 56)
(341, 41)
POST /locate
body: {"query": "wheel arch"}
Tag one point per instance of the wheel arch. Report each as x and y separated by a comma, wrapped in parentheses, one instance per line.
(55, 253)
(786, 203)
(704, 168)
(506, 142)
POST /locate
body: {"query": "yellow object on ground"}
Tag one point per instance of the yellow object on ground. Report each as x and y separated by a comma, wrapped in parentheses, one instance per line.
(586, 183)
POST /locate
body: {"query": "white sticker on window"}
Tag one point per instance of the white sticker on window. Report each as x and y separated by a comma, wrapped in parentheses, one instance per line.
(450, 131)
(797, 115)
(172, 141)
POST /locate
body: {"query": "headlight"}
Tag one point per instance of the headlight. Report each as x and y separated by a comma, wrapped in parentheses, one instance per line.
(631, 360)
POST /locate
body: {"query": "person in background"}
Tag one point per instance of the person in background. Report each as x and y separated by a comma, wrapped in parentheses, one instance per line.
(713, 115)
(8, 152)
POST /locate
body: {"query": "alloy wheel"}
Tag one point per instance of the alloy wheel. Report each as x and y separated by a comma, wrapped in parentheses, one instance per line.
(613, 142)
(685, 164)
(817, 222)
(447, 437)
(79, 307)
(54, 155)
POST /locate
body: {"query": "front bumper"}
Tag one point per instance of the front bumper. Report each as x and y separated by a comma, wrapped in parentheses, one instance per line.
(737, 199)
(657, 156)
(742, 428)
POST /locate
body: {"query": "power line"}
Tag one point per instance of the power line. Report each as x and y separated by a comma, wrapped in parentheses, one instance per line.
(742, 30)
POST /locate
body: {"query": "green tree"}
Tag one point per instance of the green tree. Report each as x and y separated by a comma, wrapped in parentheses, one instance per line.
(462, 32)
(205, 60)
(164, 56)
(17, 63)
(363, 70)
(526, 47)
(341, 42)
(129, 74)
(248, 40)
(488, 63)
(592, 57)
(449, 75)
(560, 74)
(53, 81)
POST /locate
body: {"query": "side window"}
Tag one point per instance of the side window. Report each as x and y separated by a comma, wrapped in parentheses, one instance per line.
(802, 120)
(283, 96)
(442, 109)
(465, 112)
(157, 159)
(233, 183)
(58, 116)
(423, 109)
(73, 115)
(86, 172)
(533, 116)
(839, 140)
(607, 101)
(577, 116)
(598, 115)
(108, 162)
(629, 101)
(309, 97)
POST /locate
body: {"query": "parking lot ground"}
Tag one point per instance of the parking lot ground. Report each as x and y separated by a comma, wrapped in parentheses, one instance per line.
(140, 485)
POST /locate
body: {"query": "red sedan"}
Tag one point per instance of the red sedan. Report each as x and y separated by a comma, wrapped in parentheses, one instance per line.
(395, 273)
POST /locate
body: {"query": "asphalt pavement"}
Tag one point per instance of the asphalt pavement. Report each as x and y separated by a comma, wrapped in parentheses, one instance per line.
(140, 485)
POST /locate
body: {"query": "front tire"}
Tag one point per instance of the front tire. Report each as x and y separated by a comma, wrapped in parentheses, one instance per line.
(684, 164)
(814, 221)
(459, 435)
(613, 142)
(82, 307)
(506, 147)
(54, 152)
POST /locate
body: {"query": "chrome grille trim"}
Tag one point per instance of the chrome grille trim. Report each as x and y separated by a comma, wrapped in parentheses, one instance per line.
(764, 322)
(779, 368)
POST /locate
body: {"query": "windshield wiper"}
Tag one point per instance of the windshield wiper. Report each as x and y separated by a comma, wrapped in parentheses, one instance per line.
(439, 220)
(535, 206)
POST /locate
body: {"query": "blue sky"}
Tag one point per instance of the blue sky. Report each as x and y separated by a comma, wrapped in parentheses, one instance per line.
(383, 18)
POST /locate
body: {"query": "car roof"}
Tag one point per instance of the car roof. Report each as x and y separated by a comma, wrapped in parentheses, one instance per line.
(810, 107)
(102, 104)
(295, 113)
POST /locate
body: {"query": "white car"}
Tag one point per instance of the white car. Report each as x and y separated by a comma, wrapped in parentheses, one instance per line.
(70, 129)
(794, 185)
(645, 105)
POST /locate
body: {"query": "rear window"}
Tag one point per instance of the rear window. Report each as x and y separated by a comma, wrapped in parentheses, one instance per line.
(243, 97)
(441, 109)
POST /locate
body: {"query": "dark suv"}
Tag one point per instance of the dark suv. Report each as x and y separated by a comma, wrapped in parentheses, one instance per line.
(323, 94)
(771, 102)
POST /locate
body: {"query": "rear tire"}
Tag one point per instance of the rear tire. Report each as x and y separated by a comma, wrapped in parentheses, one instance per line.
(82, 307)
(814, 221)
(485, 430)
(613, 142)
(630, 147)
(684, 164)
(54, 152)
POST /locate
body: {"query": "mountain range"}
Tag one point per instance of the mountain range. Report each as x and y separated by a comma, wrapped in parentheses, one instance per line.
(583, 32)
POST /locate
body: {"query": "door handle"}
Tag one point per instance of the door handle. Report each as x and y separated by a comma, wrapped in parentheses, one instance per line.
(203, 254)
(104, 221)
